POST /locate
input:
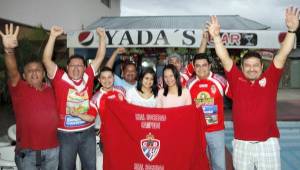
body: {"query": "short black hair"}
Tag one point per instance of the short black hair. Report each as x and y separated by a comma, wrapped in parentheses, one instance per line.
(177, 78)
(33, 60)
(201, 56)
(141, 77)
(251, 54)
(76, 56)
(105, 68)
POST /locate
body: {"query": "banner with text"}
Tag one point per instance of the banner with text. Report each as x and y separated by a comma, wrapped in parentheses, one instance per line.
(175, 38)
(140, 138)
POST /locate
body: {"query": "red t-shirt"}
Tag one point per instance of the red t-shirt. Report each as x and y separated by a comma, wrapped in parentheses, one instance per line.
(98, 102)
(153, 138)
(208, 94)
(254, 105)
(73, 97)
(36, 116)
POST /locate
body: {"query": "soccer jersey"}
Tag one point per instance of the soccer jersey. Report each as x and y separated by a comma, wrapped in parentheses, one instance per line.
(72, 96)
(98, 102)
(208, 94)
(254, 104)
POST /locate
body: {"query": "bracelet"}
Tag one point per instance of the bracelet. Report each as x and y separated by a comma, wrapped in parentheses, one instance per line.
(290, 31)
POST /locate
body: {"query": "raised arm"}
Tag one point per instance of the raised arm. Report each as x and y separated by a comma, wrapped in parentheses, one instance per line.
(112, 59)
(101, 49)
(203, 43)
(48, 51)
(292, 23)
(214, 30)
(10, 42)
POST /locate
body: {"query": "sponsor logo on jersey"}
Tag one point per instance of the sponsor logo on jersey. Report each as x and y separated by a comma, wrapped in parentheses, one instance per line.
(262, 82)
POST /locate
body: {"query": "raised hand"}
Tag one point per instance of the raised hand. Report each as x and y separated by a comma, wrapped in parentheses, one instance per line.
(101, 32)
(292, 18)
(56, 31)
(204, 36)
(10, 38)
(213, 26)
(121, 50)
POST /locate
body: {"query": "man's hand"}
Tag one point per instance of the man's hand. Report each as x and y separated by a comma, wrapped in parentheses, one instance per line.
(101, 32)
(292, 18)
(56, 31)
(205, 36)
(120, 50)
(10, 38)
(213, 26)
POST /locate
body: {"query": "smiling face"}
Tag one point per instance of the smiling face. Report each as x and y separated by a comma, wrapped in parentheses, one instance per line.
(34, 74)
(76, 68)
(202, 68)
(176, 62)
(106, 79)
(252, 68)
(148, 81)
(169, 78)
(129, 73)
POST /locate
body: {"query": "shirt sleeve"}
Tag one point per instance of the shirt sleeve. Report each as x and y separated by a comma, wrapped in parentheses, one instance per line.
(118, 80)
(93, 111)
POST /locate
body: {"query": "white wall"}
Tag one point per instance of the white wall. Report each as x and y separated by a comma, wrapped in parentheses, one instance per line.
(70, 14)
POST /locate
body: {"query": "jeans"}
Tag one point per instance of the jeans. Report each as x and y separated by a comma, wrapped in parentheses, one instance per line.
(82, 143)
(216, 149)
(26, 159)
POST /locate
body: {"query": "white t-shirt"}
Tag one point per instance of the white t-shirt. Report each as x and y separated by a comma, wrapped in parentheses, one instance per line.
(133, 97)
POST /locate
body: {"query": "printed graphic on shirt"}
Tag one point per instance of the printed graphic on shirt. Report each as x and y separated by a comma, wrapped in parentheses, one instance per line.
(150, 147)
(209, 109)
(77, 102)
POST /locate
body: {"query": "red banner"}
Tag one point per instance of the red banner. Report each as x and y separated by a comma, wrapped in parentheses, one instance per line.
(138, 138)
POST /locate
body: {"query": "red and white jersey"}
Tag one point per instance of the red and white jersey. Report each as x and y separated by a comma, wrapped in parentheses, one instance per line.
(72, 96)
(184, 78)
(208, 94)
(99, 99)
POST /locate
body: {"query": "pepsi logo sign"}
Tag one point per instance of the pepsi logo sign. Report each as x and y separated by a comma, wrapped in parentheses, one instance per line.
(86, 38)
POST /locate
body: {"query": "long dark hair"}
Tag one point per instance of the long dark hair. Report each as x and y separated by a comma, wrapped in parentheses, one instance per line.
(141, 77)
(177, 78)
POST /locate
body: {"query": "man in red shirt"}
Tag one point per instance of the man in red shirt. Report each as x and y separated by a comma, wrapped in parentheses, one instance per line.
(73, 90)
(254, 92)
(106, 92)
(35, 110)
(207, 90)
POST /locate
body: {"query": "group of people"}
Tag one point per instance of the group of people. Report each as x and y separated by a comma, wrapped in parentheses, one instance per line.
(55, 122)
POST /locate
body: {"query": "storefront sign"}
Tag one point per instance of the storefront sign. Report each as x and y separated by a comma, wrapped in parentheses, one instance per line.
(173, 38)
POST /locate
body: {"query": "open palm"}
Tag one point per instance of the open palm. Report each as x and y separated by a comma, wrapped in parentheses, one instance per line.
(292, 18)
(10, 38)
(213, 26)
